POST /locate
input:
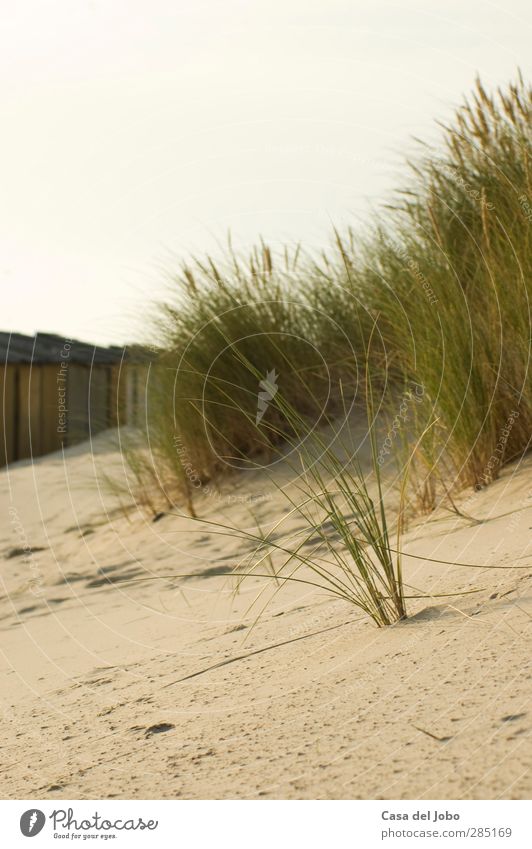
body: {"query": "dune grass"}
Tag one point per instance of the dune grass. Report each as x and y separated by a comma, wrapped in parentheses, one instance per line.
(447, 274)
(343, 543)
(451, 279)
(346, 525)
(442, 285)
(228, 323)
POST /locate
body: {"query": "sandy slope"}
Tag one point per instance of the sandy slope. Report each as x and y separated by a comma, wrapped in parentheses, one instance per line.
(152, 691)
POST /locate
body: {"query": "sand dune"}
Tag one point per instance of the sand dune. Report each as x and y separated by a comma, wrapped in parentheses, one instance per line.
(163, 689)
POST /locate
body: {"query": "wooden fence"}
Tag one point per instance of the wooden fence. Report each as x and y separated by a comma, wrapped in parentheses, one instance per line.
(45, 407)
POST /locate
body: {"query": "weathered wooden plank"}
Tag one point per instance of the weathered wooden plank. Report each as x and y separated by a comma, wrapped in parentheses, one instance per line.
(52, 386)
(7, 419)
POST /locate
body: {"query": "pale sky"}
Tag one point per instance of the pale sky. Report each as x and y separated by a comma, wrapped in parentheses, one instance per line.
(137, 130)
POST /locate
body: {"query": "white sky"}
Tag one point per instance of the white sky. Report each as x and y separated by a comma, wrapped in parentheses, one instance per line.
(136, 129)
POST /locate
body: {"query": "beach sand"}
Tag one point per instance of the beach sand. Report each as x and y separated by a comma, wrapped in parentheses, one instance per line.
(170, 689)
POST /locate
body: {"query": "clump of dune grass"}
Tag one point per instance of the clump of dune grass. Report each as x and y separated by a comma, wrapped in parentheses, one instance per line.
(443, 283)
(450, 277)
(344, 546)
(351, 554)
(446, 275)
(225, 323)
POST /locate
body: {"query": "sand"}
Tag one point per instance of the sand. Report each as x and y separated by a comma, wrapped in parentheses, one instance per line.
(169, 689)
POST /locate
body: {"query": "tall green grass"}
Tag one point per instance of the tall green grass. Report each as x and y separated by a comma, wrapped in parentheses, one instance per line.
(445, 276)
(450, 276)
(343, 542)
(227, 327)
